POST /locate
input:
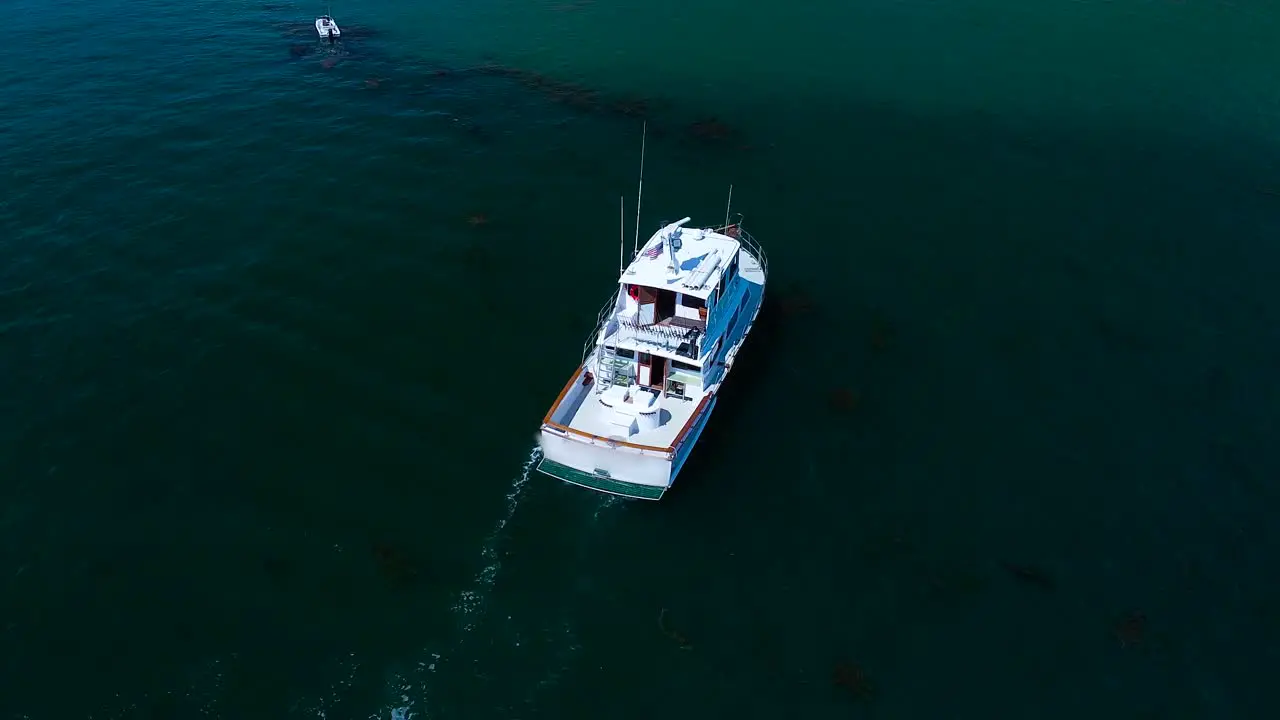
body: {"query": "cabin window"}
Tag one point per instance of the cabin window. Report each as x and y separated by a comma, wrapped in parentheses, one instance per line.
(666, 305)
(730, 272)
(677, 365)
(692, 308)
(626, 353)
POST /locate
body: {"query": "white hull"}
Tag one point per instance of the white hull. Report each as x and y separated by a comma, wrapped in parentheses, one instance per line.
(581, 438)
(324, 25)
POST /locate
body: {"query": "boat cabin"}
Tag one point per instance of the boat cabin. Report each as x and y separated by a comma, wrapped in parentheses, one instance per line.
(668, 318)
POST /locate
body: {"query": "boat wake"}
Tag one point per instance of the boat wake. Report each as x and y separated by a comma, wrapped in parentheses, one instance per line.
(469, 607)
(607, 502)
(420, 688)
(408, 691)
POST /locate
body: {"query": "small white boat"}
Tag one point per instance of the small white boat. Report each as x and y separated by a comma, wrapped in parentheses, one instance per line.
(327, 28)
(631, 413)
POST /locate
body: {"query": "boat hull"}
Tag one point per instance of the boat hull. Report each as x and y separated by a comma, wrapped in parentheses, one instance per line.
(600, 483)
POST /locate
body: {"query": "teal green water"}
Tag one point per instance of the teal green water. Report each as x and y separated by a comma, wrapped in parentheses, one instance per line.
(268, 396)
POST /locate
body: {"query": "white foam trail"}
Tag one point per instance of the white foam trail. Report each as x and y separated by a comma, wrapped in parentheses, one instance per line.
(557, 666)
(403, 707)
(607, 502)
(469, 606)
(321, 707)
(412, 695)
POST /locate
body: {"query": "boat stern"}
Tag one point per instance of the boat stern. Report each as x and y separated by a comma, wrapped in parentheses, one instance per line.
(600, 483)
(610, 467)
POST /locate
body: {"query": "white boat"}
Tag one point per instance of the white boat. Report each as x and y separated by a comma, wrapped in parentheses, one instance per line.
(631, 413)
(327, 28)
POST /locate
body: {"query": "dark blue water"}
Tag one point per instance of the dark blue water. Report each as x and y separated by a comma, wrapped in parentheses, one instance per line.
(278, 322)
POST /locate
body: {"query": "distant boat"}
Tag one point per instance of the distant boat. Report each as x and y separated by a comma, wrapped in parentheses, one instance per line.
(327, 28)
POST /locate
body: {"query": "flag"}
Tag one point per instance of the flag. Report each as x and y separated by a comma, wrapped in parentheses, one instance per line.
(654, 251)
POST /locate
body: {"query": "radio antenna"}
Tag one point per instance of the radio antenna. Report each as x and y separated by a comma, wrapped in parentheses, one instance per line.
(635, 242)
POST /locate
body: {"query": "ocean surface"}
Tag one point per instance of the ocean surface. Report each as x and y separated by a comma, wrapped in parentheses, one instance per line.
(279, 321)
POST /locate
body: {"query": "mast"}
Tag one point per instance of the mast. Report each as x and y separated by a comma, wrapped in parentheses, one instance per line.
(727, 205)
(622, 234)
(635, 242)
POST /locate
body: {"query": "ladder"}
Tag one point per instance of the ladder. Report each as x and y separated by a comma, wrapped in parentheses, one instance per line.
(607, 367)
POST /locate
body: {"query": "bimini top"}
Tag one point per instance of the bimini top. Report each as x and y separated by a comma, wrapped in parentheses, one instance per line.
(688, 261)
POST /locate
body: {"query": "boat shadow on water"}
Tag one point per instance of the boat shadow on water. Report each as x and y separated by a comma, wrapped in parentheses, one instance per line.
(733, 416)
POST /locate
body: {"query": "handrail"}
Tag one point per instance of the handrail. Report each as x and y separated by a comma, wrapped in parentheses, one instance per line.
(693, 420)
(611, 443)
(670, 337)
(594, 338)
(745, 238)
(753, 247)
(747, 241)
(546, 419)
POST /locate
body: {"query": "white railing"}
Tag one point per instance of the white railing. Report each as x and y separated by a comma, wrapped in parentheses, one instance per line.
(747, 241)
(670, 338)
(594, 337)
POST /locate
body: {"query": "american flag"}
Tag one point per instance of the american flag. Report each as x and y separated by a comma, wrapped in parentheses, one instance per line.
(654, 251)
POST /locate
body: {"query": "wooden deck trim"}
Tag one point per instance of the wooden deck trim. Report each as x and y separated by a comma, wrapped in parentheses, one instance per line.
(697, 412)
(546, 420)
(609, 441)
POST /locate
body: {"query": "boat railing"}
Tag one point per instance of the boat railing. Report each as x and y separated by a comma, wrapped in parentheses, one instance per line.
(738, 232)
(590, 346)
(679, 442)
(683, 341)
(613, 443)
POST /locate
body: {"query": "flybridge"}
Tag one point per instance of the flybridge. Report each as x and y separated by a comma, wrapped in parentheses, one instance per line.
(688, 261)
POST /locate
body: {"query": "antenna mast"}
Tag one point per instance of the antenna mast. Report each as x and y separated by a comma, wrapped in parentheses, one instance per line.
(635, 243)
(622, 234)
(726, 207)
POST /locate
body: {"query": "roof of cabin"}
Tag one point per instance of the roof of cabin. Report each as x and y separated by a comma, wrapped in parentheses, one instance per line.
(700, 250)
